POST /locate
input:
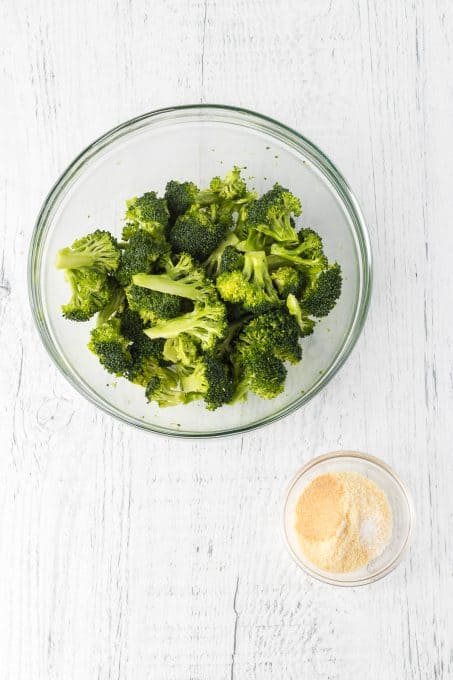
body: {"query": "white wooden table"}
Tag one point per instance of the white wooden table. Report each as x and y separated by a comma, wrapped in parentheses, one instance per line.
(132, 557)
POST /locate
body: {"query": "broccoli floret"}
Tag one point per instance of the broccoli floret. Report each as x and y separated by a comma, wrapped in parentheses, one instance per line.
(271, 214)
(132, 324)
(114, 306)
(288, 280)
(226, 196)
(212, 264)
(140, 254)
(206, 324)
(148, 212)
(209, 379)
(323, 291)
(252, 287)
(180, 196)
(111, 347)
(231, 260)
(254, 240)
(163, 388)
(275, 332)
(153, 306)
(147, 357)
(261, 373)
(190, 283)
(90, 292)
(307, 255)
(305, 323)
(98, 251)
(196, 233)
(181, 349)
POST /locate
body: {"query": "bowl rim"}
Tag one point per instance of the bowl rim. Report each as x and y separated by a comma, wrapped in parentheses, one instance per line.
(322, 576)
(270, 126)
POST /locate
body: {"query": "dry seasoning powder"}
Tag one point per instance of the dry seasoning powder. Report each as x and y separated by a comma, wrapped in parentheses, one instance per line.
(343, 521)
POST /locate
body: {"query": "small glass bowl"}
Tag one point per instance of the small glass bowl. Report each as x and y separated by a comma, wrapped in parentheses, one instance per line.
(196, 143)
(398, 498)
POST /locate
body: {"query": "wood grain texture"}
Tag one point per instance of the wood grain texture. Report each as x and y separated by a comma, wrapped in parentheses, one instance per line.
(126, 556)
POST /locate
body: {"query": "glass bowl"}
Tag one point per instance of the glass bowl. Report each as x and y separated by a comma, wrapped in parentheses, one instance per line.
(399, 500)
(196, 143)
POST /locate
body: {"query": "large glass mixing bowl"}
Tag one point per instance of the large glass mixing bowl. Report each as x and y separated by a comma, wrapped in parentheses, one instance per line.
(196, 143)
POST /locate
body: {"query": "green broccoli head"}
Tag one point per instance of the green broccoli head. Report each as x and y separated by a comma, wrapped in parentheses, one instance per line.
(260, 372)
(148, 212)
(153, 306)
(323, 291)
(206, 324)
(252, 286)
(114, 306)
(226, 197)
(288, 280)
(196, 233)
(163, 389)
(308, 256)
(181, 349)
(111, 347)
(305, 323)
(147, 357)
(90, 292)
(213, 263)
(207, 378)
(180, 196)
(132, 325)
(183, 279)
(275, 332)
(140, 254)
(231, 260)
(271, 214)
(98, 251)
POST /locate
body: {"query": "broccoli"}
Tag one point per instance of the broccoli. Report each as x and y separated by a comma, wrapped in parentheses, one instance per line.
(98, 251)
(271, 214)
(148, 212)
(275, 332)
(153, 306)
(191, 284)
(181, 349)
(288, 280)
(323, 291)
(195, 233)
(111, 347)
(252, 287)
(231, 260)
(307, 255)
(114, 305)
(147, 357)
(209, 379)
(254, 240)
(180, 196)
(140, 254)
(213, 262)
(132, 324)
(90, 292)
(205, 324)
(207, 295)
(226, 197)
(261, 373)
(305, 323)
(163, 389)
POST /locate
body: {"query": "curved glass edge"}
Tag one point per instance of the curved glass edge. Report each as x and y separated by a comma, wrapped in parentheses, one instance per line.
(263, 123)
(404, 490)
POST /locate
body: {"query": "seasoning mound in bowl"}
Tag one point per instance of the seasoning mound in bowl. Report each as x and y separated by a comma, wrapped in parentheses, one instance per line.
(343, 521)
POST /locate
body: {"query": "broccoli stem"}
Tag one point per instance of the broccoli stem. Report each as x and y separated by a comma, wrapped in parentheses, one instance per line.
(163, 284)
(173, 327)
(69, 259)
